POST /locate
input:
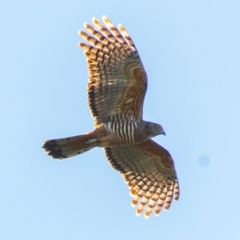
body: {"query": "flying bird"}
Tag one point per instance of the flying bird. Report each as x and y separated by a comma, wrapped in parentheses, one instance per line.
(116, 90)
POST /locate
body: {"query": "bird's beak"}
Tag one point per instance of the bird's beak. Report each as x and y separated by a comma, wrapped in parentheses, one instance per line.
(163, 133)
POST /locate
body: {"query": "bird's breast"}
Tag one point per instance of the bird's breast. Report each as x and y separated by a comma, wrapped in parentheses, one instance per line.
(121, 132)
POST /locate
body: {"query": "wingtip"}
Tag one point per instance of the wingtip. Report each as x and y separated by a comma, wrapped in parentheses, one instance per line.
(82, 45)
(121, 28)
(95, 21)
(138, 213)
(147, 215)
(134, 203)
(82, 33)
(106, 19)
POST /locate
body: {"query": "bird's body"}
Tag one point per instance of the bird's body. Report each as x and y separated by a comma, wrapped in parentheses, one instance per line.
(116, 90)
(111, 134)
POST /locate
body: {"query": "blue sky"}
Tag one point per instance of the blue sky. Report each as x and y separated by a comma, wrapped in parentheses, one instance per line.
(191, 52)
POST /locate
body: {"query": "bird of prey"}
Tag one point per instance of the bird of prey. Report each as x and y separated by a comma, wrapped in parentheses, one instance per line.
(116, 90)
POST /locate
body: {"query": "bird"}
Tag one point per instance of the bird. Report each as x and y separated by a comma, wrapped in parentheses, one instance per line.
(116, 91)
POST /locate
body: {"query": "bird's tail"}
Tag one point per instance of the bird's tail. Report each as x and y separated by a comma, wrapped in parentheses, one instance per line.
(68, 147)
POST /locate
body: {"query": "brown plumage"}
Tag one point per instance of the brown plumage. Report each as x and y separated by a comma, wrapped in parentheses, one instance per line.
(116, 91)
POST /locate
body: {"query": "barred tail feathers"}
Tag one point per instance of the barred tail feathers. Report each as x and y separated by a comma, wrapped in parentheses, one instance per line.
(69, 147)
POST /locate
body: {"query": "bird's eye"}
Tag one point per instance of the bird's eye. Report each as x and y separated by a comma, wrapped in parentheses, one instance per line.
(157, 126)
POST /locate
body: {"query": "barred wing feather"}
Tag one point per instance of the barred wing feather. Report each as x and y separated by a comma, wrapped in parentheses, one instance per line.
(149, 171)
(118, 81)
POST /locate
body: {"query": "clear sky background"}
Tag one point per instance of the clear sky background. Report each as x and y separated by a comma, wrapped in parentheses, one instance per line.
(191, 52)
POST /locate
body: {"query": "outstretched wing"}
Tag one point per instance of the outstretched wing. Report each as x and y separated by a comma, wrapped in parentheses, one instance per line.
(149, 171)
(118, 81)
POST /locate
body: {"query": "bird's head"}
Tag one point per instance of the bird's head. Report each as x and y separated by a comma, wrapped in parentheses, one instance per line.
(149, 129)
(155, 129)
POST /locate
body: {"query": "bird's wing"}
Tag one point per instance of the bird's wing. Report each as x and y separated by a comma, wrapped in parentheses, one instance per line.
(149, 171)
(118, 81)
